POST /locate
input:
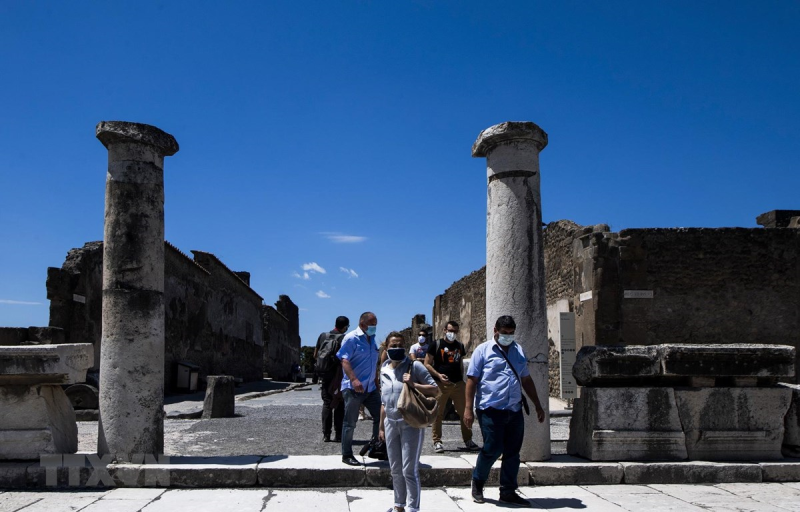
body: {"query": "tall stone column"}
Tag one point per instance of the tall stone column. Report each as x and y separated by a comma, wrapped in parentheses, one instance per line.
(132, 345)
(515, 255)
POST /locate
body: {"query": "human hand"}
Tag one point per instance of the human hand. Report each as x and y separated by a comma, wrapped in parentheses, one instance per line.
(540, 414)
(469, 417)
(382, 435)
(357, 386)
(444, 378)
(407, 380)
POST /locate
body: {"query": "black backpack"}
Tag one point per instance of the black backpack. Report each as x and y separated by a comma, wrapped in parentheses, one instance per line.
(326, 356)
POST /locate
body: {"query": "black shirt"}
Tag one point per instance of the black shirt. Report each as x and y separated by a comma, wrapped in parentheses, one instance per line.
(447, 358)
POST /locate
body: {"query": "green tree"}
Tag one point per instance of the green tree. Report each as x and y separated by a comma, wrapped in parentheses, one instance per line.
(307, 360)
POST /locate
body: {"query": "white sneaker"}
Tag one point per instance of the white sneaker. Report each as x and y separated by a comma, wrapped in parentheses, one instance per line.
(438, 447)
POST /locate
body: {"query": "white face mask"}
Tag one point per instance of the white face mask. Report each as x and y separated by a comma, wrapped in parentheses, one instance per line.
(505, 339)
(450, 336)
(421, 340)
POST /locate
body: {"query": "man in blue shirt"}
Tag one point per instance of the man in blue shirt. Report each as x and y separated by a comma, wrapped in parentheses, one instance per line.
(497, 371)
(359, 356)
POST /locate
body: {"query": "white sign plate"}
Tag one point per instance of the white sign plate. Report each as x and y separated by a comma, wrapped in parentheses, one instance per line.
(586, 296)
(638, 294)
(569, 388)
(79, 298)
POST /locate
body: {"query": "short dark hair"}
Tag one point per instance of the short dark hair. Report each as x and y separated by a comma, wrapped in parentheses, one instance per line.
(505, 322)
(365, 316)
(342, 322)
(452, 323)
(395, 334)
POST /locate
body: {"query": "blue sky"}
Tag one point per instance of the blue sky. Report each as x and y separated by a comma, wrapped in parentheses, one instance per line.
(301, 122)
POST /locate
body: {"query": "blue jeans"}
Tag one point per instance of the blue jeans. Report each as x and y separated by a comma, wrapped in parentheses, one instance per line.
(502, 435)
(352, 403)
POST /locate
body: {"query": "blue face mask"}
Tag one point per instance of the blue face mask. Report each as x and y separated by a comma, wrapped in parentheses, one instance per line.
(505, 339)
(396, 354)
(371, 330)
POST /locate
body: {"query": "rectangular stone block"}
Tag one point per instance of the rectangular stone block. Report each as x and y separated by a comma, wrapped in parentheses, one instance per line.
(791, 423)
(45, 364)
(729, 360)
(566, 470)
(694, 472)
(434, 471)
(309, 471)
(733, 423)
(612, 424)
(36, 420)
(13, 475)
(189, 472)
(523, 476)
(595, 365)
(788, 471)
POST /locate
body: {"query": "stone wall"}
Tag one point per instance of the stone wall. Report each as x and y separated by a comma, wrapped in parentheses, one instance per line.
(213, 318)
(464, 302)
(281, 338)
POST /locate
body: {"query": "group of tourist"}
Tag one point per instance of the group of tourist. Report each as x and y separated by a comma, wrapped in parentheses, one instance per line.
(373, 375)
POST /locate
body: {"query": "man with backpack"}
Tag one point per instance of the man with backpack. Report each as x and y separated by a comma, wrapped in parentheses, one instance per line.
(327, 366)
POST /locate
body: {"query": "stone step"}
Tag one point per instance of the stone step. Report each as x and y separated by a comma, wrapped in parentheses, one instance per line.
(88, 471)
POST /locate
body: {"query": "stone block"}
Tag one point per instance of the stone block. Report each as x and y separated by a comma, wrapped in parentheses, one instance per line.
(612, 424)
(597, 364)
(47, 335)
(189, 472)
(83, 396)
(523, 478)
(13, 475)
(733, 423)
(784, 471)
(220, 397)
(309, 471)
(36, 420)
(791, 423)
(13, 336)
(730, 360)
(567, 470)
(45, 364)
(695, 472)
(434, 471)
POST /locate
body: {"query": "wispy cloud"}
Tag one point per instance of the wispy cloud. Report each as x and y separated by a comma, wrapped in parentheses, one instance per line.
(304, 277)
(19, 302)
(323, 295)
(349, 271)
(341, 238)
(313, 267)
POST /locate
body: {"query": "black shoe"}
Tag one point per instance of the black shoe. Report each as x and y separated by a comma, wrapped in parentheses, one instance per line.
(477, 491)
(326, 438)
(514, 499)
(338, 438)
(350, 461)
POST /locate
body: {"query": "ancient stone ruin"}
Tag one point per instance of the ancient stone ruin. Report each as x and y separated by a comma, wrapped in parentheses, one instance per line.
(37, 417)
(678, 402)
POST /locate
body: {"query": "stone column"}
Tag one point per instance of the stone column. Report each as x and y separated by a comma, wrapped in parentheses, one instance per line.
(515, 255)
(132, 345)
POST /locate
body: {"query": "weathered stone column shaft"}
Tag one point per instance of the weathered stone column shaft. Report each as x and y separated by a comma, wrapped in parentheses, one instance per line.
(132, 345)
(515, 255)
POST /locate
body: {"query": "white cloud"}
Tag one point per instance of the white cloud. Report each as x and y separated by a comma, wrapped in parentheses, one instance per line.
(340, 238)
(313, 267)
(305, 276)
(323, 295)
(19, 302)
(349, 271)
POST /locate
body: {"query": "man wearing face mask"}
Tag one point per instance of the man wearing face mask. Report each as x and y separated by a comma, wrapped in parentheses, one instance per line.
(497, 373)
(419, 349)
(359, 356)
(443, 361)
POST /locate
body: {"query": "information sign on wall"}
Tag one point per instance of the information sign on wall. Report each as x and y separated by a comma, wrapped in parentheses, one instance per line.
(569, 390)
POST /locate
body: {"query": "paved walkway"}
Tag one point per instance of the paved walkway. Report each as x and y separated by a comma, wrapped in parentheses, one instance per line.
(766, 497)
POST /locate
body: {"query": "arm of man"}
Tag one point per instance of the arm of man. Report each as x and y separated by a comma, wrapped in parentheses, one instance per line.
(469, 413)
(348, 370)
(429, 365)
(530, 390)
(412, 353)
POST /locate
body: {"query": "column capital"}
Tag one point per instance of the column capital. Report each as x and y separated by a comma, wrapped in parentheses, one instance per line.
(509, 131)
(109, 132)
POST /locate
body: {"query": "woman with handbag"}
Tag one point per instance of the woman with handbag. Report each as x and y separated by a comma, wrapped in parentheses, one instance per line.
(403, 441)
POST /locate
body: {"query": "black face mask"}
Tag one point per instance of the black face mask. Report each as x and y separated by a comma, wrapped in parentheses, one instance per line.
(396, 354)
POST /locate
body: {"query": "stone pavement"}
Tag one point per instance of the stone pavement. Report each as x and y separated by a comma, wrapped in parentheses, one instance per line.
(764, 497)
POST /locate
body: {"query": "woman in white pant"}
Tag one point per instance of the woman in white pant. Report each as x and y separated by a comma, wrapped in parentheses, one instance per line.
(403, 442)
